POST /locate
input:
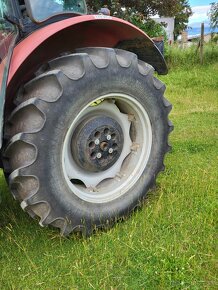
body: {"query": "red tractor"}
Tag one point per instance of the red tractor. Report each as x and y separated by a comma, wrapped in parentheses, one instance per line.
(83, 122)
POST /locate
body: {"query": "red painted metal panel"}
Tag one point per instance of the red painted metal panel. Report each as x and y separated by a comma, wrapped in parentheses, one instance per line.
(99, 30)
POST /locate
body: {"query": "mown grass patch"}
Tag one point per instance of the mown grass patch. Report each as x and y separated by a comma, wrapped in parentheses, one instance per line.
(169, 244)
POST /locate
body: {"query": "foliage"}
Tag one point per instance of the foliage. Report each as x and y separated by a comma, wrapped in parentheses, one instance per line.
(149, 26)
(213, 15)
(182, 17)
(180, 9)
(146, 7)
(169, 244)
(214, 38)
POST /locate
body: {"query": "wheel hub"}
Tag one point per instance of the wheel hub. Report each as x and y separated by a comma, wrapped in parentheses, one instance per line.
(97, 143)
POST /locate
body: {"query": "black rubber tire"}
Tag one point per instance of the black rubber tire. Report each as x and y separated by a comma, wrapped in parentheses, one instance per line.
(36, 128)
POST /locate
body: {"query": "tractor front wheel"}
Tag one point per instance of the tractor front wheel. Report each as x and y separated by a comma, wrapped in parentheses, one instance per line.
(87, 139)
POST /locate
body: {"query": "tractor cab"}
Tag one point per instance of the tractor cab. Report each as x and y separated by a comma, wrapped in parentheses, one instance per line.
(22, 12)
(40, 10)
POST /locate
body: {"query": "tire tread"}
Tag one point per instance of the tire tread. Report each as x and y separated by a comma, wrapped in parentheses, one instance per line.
(32, 96)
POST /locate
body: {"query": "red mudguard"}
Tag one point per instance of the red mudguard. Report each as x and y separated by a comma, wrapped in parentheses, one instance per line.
(83, 31)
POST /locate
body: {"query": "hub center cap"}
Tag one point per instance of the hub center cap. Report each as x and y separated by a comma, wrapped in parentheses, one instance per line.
(97, 143)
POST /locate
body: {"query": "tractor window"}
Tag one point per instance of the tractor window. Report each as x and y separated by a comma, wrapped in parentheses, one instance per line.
(41, 10)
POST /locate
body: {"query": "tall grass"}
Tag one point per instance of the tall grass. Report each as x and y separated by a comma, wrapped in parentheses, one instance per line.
(176, 56)
(169, 244)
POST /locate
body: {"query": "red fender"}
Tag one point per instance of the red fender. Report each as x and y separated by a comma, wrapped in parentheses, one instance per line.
(81, 31)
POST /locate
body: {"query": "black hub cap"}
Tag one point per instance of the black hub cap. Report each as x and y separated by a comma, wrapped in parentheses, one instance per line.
(97, 143)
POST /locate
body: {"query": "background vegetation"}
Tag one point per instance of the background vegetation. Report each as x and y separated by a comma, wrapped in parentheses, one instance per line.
(177, 57)
(142, 10)
(213, 15)
(170, 243)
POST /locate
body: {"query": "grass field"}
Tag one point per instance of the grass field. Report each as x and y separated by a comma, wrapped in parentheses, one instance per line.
(169, 244)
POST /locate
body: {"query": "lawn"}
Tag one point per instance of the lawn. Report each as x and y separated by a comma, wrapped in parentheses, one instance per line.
(169, 244)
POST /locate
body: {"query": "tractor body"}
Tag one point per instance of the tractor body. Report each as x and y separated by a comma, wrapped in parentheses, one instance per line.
(25, 46)
(40, 40)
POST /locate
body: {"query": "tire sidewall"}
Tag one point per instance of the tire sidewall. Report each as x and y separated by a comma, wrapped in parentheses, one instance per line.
(61, 114)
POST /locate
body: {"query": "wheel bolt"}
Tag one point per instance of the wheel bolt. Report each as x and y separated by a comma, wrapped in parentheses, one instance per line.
(111, 150)
(99, 155)
(108, 137)
(97, 142)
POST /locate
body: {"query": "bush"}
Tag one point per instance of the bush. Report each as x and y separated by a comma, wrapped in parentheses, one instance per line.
(214, 38)
(149, 26)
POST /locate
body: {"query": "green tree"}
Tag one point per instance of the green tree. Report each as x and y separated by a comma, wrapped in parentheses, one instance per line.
(144, 9)
(213, 15)
(182, 17)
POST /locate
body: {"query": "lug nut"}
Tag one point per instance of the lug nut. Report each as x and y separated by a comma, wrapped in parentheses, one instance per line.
(97, 142)
(111, 150)
(108, 137)
(99, 155)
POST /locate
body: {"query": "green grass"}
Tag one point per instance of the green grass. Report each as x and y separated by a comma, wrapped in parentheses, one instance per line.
(169, 244)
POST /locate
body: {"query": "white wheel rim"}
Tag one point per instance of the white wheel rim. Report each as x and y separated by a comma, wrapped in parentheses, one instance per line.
(108, 185)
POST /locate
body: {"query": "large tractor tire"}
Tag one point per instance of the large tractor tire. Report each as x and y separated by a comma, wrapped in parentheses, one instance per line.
(87, 139)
